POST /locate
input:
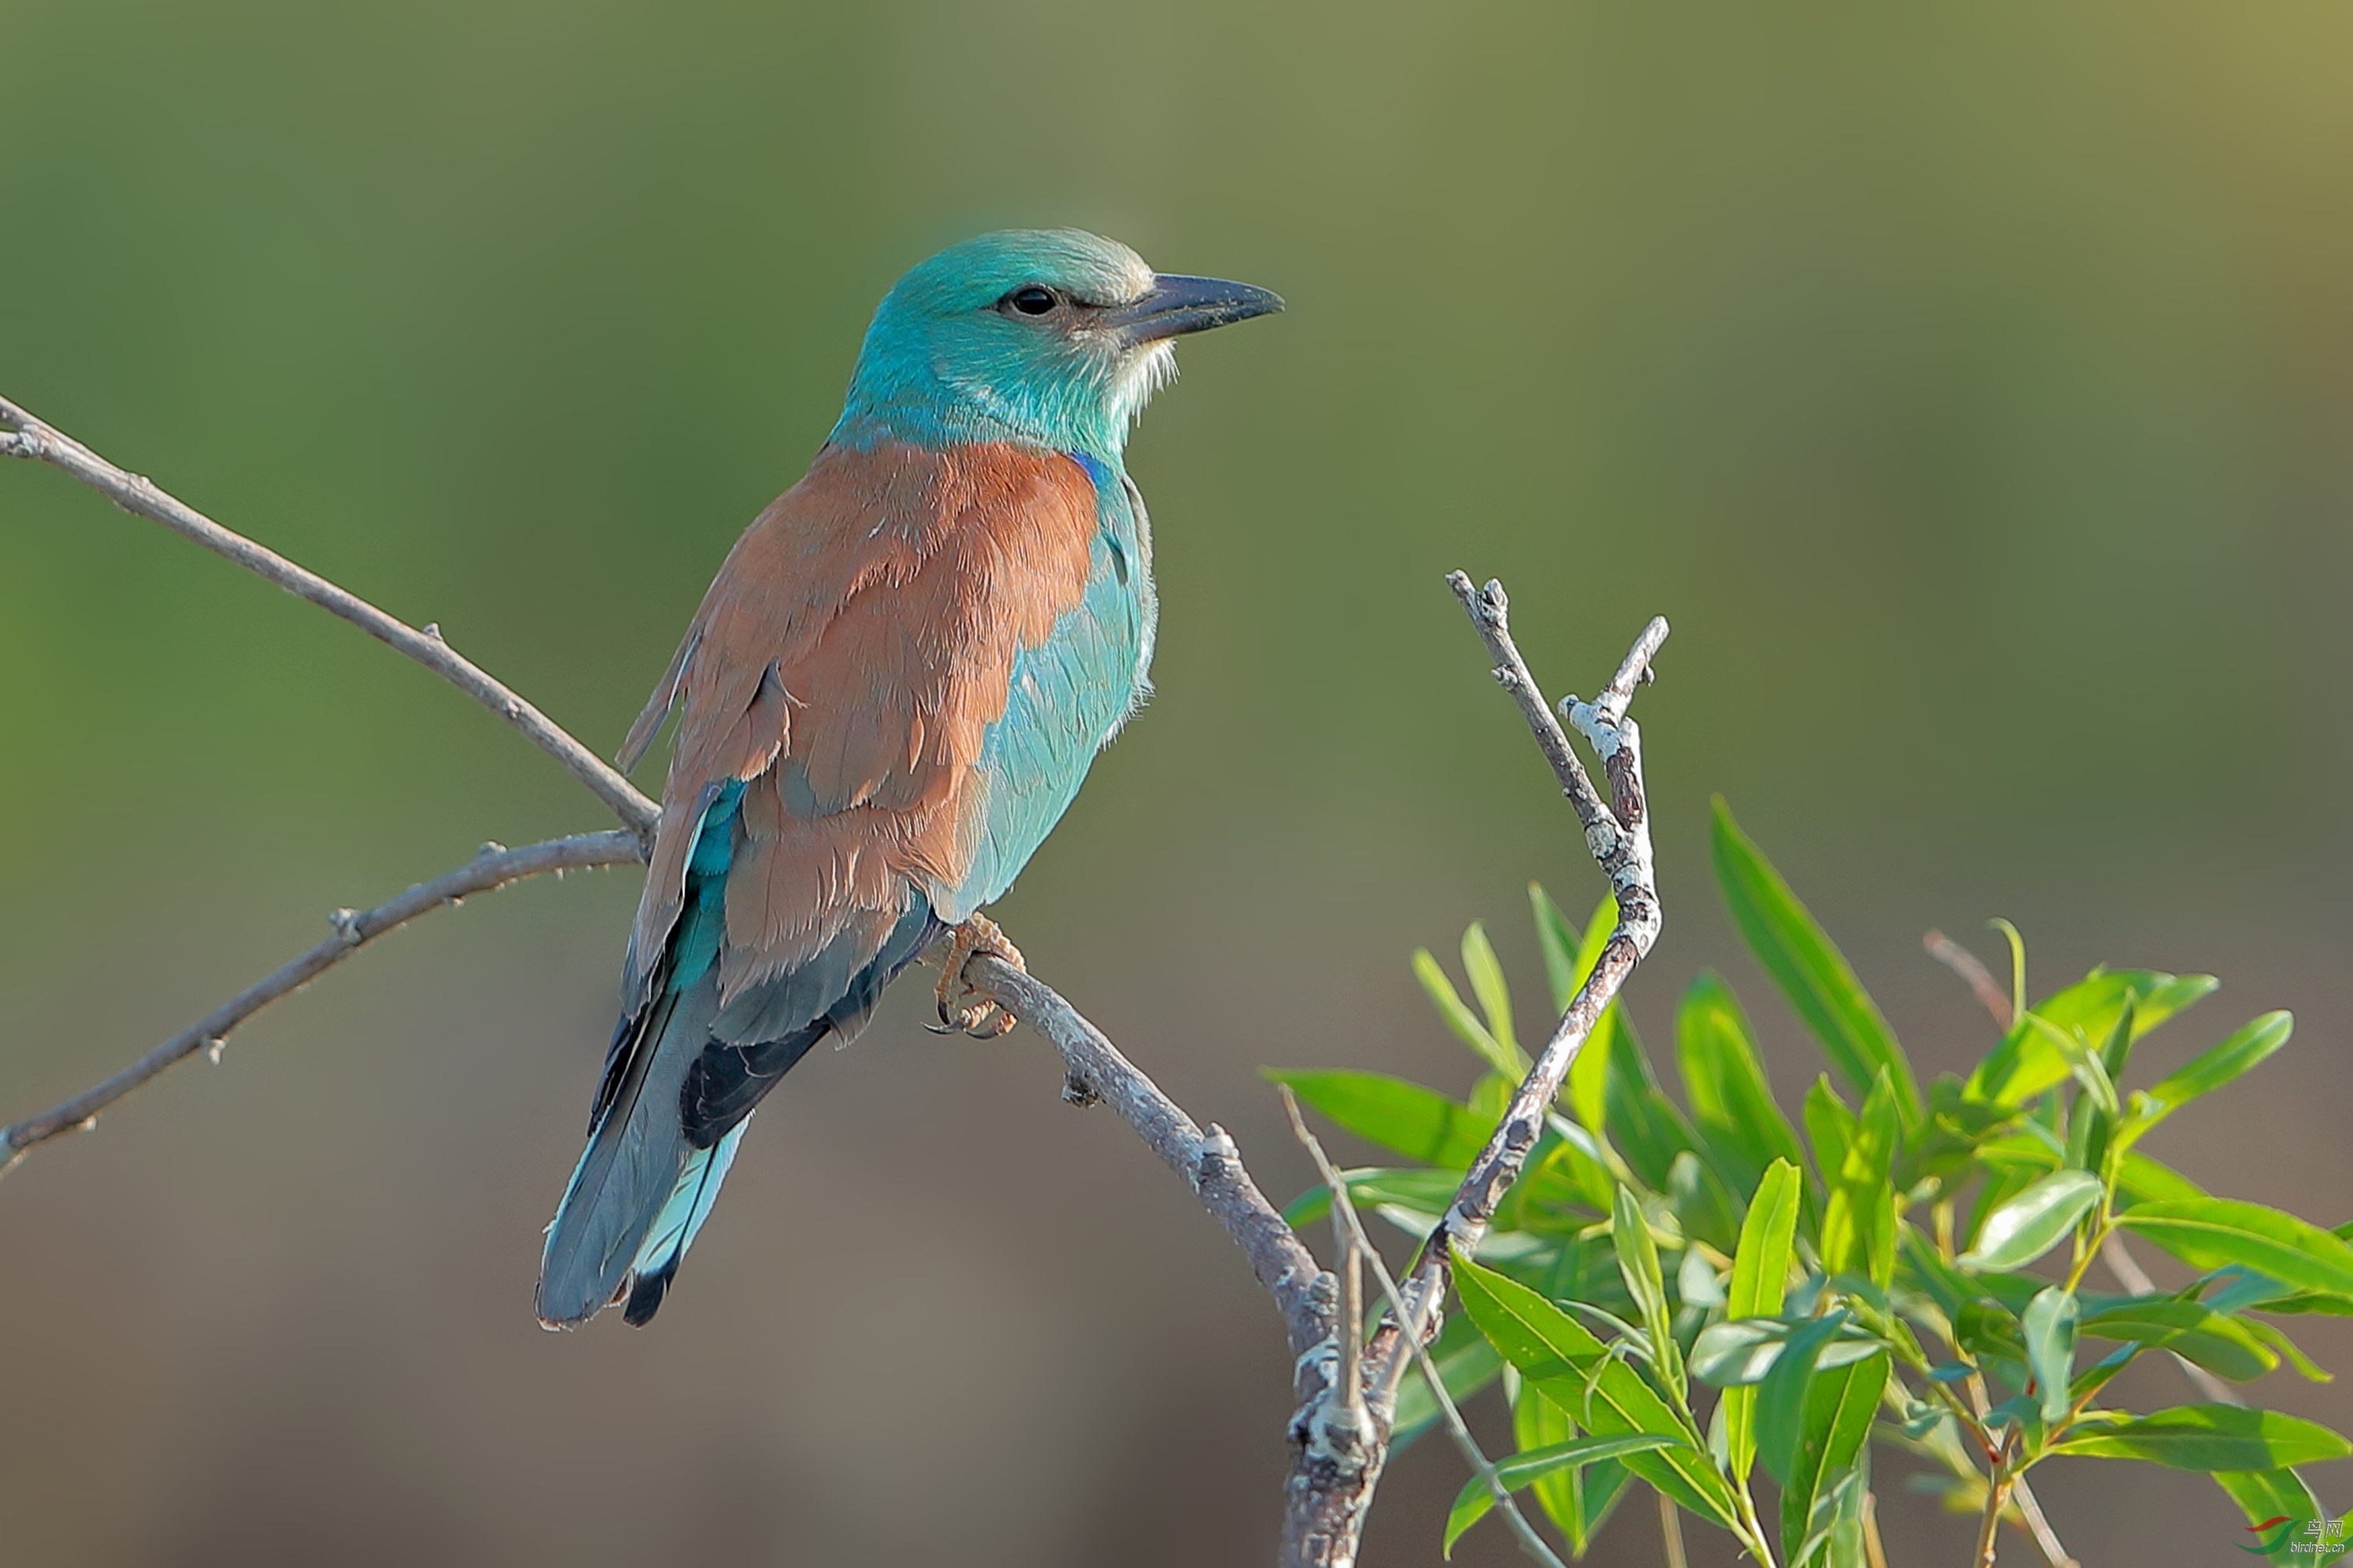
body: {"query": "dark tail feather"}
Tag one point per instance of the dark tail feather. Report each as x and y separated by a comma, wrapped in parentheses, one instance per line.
(637, 1154)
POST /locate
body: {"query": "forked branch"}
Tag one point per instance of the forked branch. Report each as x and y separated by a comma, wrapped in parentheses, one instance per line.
(1332, 1494)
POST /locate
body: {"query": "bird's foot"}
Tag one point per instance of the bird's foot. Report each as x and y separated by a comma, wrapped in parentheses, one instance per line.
(984, 1019)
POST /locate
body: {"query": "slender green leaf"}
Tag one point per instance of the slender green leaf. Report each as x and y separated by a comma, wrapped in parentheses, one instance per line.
(2141, 1180)
(2271, 1498)
(2211, 1437)
(1724, 1079)
(1840, 1403)
(1733, 1355)
(2276, 1338)
(2033, 1222)
(2205, 1073)
(1703, 1207)
(2082, 1058)
(1537, 1423)
(1638, 1261)
(1760, 1275)
(1760, 1268)
(1461, 1020)
(1781, 1398)
(2222, 1346)
(2049, 1325)
(1485, 971)
(2211, 1232)
(1418, 1124)
(1812, 974)
(1473, 1502)
(1558, 941)
(1829, 1127)
(1601, 1393)
(1859, 1220)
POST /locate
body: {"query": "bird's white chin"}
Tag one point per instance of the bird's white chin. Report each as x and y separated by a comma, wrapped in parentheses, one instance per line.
(1141, 374)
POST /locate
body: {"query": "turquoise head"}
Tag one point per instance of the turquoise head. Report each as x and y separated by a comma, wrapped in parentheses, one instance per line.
(1052, 338)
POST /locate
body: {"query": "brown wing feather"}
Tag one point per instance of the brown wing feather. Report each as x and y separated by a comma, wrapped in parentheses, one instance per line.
(846, 663)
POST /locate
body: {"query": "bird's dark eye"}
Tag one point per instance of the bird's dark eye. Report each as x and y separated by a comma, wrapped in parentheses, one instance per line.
(1030, 299)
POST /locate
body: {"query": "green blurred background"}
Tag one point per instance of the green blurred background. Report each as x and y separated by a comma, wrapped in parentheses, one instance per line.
(1970, 385)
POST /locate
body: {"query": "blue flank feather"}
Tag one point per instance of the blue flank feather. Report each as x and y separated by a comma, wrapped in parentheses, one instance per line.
(1068, 696)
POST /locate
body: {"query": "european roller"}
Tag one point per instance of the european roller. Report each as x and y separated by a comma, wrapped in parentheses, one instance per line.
(889, 696)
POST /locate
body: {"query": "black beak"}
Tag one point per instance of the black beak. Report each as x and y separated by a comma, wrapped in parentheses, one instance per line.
(1179, 305)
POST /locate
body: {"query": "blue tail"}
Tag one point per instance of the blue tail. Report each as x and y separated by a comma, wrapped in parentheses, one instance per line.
(681, 1080)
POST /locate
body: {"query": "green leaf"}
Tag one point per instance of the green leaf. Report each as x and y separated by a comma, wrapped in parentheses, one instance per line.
(1644, 1124)
(1732, 1105)
(1467, 1364)
(1812, 974)
(2222, 1346)
(1702, 1208)
(1840, 1403)
(1538, 1422)
(1558, 941)
(2211, 1437)
(1733, 1355)
(1601, 1393)
(2276, 1340)
(1829, 1127)
(1760, 1268)
(2206, 1072)
(1472, 1503)
(2213, 1232)
(2266, 1495)
(1486, 974)
(1760, 1277)
(2027, 1062)
(1859, 1219)
(1462, 1021)
(1638, 1261)
(2032, 1222)
(2082, 1060)
(1781, 1398)
(1418, 1124)
(2048, 1326)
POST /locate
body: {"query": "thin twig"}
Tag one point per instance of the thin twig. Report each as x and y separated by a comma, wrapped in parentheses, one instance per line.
(1964, 963)
(1671, 1532)
(1345, 1214)
(493, 868)
(141, 498)
(2039, 1528)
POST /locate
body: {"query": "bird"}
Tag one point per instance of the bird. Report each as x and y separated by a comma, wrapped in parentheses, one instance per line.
(889, 696)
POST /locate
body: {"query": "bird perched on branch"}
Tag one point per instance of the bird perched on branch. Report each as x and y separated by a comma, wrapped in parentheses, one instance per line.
(890, 695)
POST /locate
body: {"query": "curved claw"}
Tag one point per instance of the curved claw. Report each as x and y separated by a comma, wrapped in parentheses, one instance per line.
(984, 1019)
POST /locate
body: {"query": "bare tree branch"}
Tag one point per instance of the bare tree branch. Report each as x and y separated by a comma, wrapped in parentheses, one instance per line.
(1206, 1158)
(495, 866)
(1974, 975)
(32, 439)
